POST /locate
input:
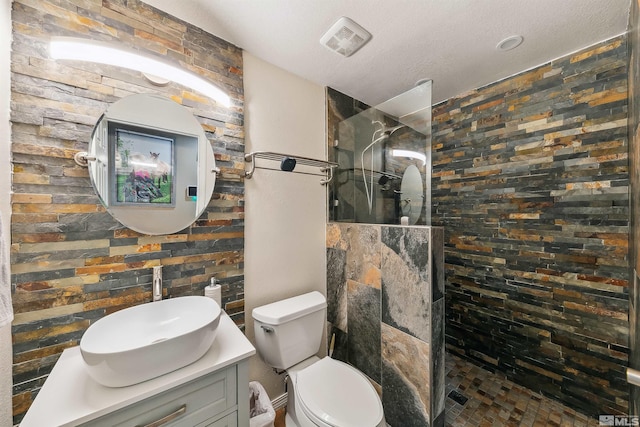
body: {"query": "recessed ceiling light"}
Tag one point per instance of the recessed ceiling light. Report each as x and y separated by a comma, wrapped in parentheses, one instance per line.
(510, 43)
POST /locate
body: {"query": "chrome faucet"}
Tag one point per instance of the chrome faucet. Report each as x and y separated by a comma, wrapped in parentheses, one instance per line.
(156, 288)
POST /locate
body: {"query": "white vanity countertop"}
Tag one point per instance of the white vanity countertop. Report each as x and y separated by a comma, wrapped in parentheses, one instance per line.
(70, 397)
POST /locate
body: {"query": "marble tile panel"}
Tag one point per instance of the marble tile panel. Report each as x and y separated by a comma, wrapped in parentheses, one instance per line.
(405, 379)
(363, 253)
(364, 328)
(405, 280)
(337, 288)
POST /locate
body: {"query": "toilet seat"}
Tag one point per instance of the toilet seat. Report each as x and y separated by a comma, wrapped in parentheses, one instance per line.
(332, 393)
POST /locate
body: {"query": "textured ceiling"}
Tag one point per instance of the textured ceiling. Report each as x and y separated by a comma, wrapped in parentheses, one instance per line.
(452, 42)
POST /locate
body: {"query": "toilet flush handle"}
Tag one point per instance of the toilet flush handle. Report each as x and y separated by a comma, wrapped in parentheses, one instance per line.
(267, 329)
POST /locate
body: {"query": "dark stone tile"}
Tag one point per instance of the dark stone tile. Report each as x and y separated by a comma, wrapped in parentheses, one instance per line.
(439, 420)
(437, 357)
(437, 263)
(336, 288)
(363, 320)
(340, 344)
(457, 397)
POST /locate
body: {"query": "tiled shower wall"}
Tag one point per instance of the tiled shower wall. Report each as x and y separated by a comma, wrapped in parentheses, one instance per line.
(385, 292)
(634, 183)
(71, 262)
(530, 182)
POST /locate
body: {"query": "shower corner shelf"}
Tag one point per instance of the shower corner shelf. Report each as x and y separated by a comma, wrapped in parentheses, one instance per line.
(326, 168)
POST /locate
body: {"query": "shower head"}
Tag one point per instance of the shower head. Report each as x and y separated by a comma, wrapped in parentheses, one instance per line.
(389, 131)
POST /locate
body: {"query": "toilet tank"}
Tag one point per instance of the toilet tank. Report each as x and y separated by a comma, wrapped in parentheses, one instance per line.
(290, 331)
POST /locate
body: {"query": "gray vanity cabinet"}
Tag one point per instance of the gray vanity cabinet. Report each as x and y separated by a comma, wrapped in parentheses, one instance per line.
(217, 399)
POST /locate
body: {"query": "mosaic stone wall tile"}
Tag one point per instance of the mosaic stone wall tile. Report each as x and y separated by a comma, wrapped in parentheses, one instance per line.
(72, 263)
(406, 284)
(406, 383)
(530, 182)
(364, 329)
(634, 178)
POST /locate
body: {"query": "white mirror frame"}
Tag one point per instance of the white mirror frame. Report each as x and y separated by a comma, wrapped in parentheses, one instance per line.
(157, 113)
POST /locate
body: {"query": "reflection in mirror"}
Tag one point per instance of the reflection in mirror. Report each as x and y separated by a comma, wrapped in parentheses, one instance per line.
(411, 194)
(151, 164)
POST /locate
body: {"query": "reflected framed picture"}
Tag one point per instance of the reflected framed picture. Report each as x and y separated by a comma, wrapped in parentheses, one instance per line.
(142, 166)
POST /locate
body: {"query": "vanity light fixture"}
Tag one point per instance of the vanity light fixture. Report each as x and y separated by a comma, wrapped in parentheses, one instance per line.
(105, 53)
(411, 154)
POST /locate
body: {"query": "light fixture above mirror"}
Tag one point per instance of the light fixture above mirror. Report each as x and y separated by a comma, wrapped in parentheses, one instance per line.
(105, 53)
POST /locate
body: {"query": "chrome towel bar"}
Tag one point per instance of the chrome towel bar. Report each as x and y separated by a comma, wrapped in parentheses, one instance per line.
(288, 163)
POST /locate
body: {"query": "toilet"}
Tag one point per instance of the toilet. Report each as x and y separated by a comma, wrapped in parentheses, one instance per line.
(322, 392)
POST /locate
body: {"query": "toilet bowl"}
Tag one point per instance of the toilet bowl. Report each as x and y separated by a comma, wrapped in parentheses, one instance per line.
(330, 393)
(322, 392)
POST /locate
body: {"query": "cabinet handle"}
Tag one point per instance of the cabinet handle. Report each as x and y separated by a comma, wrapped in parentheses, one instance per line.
(172, 416)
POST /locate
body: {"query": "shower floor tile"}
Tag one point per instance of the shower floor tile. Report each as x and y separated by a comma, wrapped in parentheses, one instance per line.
(478, 398)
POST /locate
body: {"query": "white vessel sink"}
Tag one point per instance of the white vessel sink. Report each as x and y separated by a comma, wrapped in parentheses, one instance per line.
(149, 340)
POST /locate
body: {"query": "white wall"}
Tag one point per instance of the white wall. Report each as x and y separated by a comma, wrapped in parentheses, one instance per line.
(5, 195)
(285, 213)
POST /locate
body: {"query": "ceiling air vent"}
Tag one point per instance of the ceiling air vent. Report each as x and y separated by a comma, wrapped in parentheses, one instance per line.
(345, 37)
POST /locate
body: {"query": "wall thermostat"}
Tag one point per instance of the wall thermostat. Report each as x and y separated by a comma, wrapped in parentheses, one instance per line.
(191, 193)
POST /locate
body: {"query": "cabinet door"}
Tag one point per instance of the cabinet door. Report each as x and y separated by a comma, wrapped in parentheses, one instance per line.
(188, 405)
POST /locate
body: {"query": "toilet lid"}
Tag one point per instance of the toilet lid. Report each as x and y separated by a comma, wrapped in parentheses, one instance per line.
(336, 394)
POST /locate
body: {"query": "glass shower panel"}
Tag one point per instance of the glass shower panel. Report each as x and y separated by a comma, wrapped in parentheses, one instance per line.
(384, 153)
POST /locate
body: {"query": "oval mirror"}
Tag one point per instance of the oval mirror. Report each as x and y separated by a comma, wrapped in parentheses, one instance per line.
(151, 164)
(412, 194)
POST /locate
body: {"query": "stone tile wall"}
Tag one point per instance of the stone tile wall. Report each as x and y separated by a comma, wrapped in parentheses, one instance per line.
(530, 182)
(385, 291)
(71, 262)
(634, 203)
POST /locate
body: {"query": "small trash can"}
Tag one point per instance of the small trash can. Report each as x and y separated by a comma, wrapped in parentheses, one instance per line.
(261, 412)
